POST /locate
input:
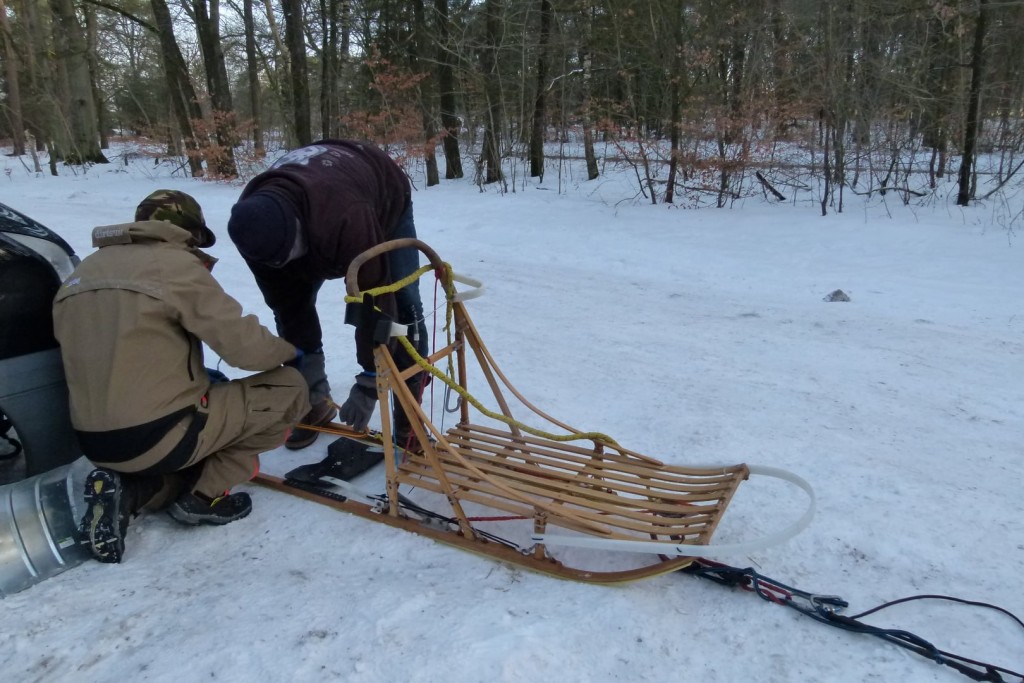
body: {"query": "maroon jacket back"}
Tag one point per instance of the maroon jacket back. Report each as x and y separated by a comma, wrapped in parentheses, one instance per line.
(349, 197)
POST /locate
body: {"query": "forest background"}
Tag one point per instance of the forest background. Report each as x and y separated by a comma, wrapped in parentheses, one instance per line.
(707, 101)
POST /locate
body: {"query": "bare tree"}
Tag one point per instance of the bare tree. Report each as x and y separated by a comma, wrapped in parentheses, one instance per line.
(184, 102)
(540, 100)
(972, 122)
(90, 53)
(446, 92)
(82, 133)
(493, 119)
(206, 14)
(420, 48)
(296, 42)
(40, 113)
(329, 60)
(586, 110)
(11, 64)
(252, 74)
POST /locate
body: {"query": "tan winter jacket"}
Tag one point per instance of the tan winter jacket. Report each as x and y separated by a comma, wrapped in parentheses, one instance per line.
(130, 319)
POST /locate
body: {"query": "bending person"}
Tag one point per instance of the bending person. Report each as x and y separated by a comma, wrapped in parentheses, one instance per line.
(302, 222)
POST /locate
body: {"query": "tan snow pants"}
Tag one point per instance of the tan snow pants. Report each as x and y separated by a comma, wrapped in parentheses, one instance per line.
(244, 418)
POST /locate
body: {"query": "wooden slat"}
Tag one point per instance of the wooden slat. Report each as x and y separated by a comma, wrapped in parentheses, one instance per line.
(586, 503)
(589, 487)
(635, 508)
(637, 476)
(566, 451)
(666, 527)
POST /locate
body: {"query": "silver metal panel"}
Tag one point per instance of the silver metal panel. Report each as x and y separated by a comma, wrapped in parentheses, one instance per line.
(38, 520)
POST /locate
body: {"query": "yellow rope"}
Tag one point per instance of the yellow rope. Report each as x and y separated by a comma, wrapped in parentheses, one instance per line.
(576, 436)
(449, 288)
(393, 287)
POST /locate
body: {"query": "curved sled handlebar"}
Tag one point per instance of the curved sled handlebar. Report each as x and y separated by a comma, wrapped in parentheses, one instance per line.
(352, 275)
(439, 266)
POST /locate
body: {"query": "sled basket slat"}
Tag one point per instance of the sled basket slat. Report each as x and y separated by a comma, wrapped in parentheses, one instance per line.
(625, 497)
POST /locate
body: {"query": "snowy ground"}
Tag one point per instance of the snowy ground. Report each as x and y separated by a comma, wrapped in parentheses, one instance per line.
(692, 336)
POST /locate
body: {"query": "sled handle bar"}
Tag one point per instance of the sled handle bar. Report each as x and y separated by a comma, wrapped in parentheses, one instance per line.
(440, 267)
(352, 275)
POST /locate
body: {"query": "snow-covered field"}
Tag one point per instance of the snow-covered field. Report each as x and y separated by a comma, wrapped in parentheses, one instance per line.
(692, 336)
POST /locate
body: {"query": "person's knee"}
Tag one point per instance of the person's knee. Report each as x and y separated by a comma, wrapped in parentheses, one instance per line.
(279, 379)
(293, 393)
(282, 389)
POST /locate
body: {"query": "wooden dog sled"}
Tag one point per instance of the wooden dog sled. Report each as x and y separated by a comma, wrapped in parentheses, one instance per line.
(571, 488)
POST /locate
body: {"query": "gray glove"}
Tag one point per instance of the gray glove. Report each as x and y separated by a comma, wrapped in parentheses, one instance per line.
(362, 399)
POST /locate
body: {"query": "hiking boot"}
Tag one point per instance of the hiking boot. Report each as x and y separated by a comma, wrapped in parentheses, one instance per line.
(106, 520)
(323, 413)
(195, 508)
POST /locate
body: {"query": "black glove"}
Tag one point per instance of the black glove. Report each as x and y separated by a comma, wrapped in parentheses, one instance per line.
(362, 399)
(298, 361)
(216, 376)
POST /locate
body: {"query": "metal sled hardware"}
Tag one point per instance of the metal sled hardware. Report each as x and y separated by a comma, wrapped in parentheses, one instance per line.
(565, 490)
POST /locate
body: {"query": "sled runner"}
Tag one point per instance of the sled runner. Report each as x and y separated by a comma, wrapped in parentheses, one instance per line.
(567, 489)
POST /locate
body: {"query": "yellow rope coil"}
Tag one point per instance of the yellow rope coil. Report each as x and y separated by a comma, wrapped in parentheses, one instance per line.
(393, 287)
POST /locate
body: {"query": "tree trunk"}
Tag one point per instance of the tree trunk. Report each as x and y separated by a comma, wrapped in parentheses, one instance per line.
(586, 115)
(421, 48)
(329, 68)
(14, 113)
(446, 93)
(94, 76)
(57, 96)
(342, 63)
(675, 76)
(252, 72)
(296, 43)
(539, 107)
(39, 119)
(182, 94)
(492, 90)
(278, 71)
(70, 48)
(972, 124)
(207, 18)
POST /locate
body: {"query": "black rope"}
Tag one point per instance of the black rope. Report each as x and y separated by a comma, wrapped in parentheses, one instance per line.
(950, 598)
(826, 608)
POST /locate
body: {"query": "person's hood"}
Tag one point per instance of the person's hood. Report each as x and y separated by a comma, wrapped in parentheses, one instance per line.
(141, 232)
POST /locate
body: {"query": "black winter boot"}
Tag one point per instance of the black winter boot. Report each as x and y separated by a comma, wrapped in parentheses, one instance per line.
(105, 521)
(195, 508)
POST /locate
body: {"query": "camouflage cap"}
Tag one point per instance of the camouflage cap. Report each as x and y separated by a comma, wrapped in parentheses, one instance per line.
(178, 208)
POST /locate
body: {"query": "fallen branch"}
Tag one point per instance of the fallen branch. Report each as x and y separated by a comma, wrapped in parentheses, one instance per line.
(883, 190)
(1003, 182)
(768, 187)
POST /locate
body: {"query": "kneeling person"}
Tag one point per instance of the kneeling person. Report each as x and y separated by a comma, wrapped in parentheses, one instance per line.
(131, 320)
